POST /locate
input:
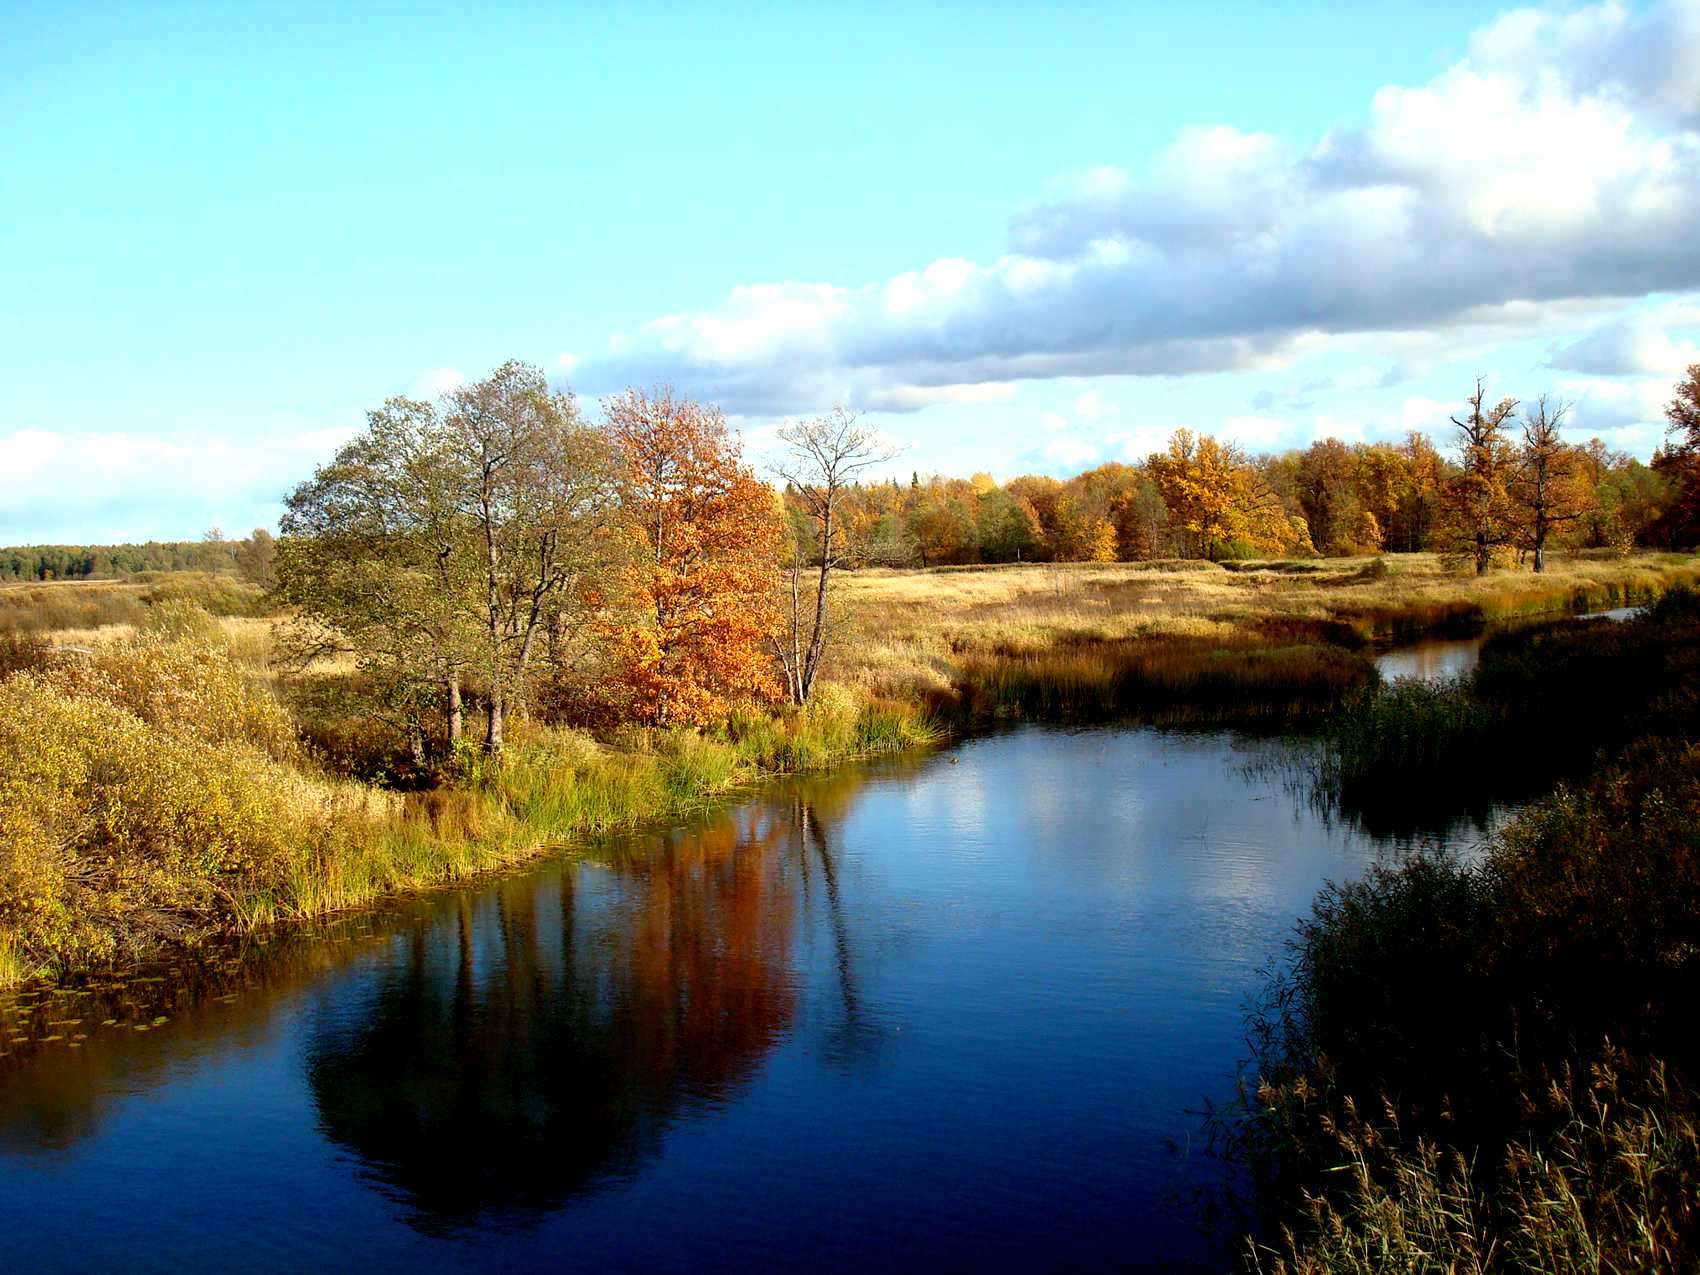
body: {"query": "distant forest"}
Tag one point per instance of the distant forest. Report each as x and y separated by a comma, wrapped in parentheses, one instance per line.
(250, 557)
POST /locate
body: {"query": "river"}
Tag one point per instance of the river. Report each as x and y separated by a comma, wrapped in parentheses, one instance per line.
(934, 1013)
(1441, 658)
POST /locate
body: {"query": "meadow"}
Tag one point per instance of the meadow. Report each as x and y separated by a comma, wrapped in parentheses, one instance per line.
(1264, 640)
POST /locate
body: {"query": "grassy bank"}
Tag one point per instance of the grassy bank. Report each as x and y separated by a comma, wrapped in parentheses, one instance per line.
(154, 789)
(153, 792)
(1270, 640)
(1540, 705)
(1493, 1065)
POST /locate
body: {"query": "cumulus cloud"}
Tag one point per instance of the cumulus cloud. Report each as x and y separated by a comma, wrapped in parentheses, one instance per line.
(1558, 163)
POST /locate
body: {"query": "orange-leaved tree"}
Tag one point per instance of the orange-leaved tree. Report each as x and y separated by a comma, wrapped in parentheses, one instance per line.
(1216, 497)
(703, 573)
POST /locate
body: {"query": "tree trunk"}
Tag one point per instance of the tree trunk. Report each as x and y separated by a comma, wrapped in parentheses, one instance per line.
(457, 715)
(498, 718)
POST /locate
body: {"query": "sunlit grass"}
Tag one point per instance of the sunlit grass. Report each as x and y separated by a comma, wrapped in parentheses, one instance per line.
(998, 633)
(154, 791)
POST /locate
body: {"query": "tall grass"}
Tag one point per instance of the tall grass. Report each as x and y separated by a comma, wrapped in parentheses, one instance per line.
(97, 604)
(1605, 1183)
(151, 791)
(1542, 702)
(1181, 679)
(1468, 1004)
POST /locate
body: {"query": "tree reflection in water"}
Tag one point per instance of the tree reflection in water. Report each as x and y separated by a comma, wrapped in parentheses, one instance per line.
(537, 1045)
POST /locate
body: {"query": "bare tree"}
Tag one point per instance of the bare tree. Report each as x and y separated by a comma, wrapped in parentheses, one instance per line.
(826, 455)
(1548, 485)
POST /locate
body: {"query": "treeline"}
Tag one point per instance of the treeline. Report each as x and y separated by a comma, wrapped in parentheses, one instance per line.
(1509, 486)
(250, 558)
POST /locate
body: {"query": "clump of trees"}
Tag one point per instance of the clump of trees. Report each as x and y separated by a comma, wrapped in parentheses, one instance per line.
(495, 548)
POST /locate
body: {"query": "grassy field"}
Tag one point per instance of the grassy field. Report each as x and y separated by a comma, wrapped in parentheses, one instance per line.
(1044, 639)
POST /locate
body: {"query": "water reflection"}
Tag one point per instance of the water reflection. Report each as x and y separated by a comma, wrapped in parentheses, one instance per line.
(530, 1049)
(932, 1014)
(536, 1044)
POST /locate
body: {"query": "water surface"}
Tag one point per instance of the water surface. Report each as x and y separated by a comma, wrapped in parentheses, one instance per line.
(1440, 659)
(933, 1013)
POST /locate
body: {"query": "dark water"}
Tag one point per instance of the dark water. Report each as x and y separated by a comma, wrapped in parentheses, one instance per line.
(1443, 658)
(941, 1013)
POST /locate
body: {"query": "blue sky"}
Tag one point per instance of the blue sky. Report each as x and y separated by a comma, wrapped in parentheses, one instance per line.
(1021, 240)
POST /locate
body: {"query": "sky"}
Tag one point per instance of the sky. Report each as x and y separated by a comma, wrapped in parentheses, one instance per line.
(1018, 238)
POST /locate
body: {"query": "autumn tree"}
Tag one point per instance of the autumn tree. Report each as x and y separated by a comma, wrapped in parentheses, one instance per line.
(1217, 498)
(825, 456)
(701, 583)
(1548, 486)
(1418, 491)
(1478, 502)
(1678, 462)
(1324, 483)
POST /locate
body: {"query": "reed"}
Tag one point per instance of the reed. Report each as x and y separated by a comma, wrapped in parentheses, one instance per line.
(1467, 1003)
(1179, 680)
(1544, 700)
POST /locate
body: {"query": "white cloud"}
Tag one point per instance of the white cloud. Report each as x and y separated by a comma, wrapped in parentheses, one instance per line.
(1053, 422)
(1074, 452)
(1637, 344)
(172, 488)
(909, 398)
(1559, 164)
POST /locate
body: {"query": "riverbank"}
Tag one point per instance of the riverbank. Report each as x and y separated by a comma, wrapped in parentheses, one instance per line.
(1492, 1065)
(153, 793)
(154, 789)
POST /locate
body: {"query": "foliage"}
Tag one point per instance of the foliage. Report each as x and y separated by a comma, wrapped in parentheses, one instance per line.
(697, 607)
(1218, 498)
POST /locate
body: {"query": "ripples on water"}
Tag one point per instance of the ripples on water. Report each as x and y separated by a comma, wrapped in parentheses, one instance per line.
(932, 1013)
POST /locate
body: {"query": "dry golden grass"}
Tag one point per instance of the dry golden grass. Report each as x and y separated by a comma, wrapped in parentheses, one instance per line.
(914, 632)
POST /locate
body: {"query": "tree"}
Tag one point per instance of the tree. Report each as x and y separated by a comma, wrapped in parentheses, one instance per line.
(1678, 462)
(1478, 502)
(825, 456)
(370, 560)
(1217, 498)
(703, 575)
(1324, 482)
(443, 540)
(1007, 528)
(1421, 483)
(1548, 486)
(532, 482)
(256, 558)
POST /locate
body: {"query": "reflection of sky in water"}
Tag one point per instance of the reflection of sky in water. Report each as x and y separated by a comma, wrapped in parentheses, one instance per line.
(940, 1013)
